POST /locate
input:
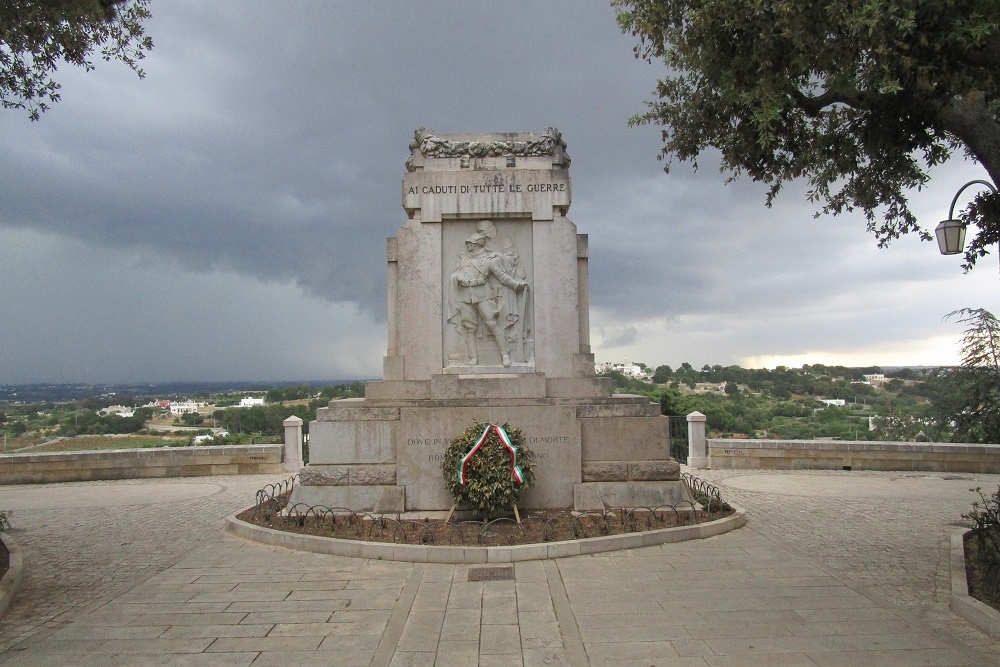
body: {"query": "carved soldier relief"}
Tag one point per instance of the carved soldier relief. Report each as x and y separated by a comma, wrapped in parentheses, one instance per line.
(488, 296)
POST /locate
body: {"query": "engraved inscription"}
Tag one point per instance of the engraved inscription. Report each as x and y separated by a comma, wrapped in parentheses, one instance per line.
(531, 440)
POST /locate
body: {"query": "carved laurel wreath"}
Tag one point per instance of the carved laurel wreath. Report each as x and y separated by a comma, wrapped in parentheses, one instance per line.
(487, 467)
(433, 146)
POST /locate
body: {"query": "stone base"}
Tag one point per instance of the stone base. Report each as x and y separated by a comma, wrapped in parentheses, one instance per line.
(631, 471)
(699, 462)
(601, 495)
(395, 438)
(379, 499)
(489, 369)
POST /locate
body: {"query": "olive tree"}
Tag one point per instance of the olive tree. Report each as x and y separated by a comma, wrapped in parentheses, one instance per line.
(857, 97)
(971, 396)
(36, 36)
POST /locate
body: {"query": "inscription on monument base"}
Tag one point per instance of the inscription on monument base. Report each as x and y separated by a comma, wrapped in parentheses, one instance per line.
(532, 441)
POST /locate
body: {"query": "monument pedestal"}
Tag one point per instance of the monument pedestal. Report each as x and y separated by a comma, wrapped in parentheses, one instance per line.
(384, 454)
(488, 320)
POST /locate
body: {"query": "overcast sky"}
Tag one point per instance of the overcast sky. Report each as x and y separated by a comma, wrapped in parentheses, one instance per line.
(225, 217)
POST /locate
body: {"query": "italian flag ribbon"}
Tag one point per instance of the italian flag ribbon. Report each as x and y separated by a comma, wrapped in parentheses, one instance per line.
(515, 470)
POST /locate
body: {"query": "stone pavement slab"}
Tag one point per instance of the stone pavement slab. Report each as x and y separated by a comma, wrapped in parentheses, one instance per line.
(832, 569)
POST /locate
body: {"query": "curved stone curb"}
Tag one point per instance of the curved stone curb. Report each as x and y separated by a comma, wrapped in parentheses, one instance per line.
(15, 573)
(983, 616)
(415, 553)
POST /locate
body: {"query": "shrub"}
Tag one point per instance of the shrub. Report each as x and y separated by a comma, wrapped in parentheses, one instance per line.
(985, 514)
(985, 517)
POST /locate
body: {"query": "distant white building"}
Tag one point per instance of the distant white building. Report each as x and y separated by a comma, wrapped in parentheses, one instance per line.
(250, 401)
(627, 369)
(119, 410)
(201, 439)
(183, 407)
(837, 402)
(710, 387)
(875, 378)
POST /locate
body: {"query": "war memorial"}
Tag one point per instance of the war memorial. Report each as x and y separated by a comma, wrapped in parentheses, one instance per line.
(488, 320)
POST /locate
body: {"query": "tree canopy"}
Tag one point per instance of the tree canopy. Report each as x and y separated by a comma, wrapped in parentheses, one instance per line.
(972, 401)
(858, 97)
(36, 35)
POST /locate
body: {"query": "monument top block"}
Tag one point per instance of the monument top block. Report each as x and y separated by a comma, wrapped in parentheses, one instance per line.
(496, 174)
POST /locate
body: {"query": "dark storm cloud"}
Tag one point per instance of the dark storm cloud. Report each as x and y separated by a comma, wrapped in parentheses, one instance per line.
(265, 150)
(270, 140)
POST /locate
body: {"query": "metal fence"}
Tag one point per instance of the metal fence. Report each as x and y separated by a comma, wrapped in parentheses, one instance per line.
(274, 510)
(678, 438)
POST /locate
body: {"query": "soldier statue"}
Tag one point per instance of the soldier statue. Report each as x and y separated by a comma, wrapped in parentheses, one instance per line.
(474, 300)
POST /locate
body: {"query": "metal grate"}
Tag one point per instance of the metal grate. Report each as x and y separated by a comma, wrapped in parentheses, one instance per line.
(678, 438)
(491, 574)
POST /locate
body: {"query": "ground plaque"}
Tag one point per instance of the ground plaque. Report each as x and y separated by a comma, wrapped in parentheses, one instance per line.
(489, 321)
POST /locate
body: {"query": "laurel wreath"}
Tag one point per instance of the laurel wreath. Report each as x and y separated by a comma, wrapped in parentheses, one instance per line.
(488, 479)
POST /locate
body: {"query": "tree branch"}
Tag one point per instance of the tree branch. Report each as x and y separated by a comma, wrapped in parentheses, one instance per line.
(988, 56)
(969, 118)
(813, 105)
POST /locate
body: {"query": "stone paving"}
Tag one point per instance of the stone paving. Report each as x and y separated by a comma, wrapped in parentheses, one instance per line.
(888, 533)
(82, 544)
(832, 569)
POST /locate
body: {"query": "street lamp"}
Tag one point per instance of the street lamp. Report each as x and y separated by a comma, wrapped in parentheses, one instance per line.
(950, 233)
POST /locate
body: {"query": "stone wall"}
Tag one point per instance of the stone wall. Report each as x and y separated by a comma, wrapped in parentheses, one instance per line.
(139, 463)
(853, 455)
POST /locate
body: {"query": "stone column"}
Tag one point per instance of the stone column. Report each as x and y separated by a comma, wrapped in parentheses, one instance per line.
(697, 445)
(292, 454)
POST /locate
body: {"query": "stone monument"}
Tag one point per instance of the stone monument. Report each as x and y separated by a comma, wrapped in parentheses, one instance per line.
(488, 319)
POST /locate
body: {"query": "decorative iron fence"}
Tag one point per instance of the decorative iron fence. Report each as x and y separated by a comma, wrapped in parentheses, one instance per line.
(705, 494)
(274, 510)
(678, 438)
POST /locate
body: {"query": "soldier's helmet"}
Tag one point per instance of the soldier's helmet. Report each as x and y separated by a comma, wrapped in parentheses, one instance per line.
(477, 239)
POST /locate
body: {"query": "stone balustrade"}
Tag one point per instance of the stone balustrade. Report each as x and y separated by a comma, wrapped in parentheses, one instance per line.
(851, 455)
(140, 463)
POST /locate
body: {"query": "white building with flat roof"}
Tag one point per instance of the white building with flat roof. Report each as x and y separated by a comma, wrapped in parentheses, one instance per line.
(627, 369)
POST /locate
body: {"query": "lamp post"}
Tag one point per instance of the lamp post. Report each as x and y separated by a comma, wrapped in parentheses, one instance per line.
(950, 233)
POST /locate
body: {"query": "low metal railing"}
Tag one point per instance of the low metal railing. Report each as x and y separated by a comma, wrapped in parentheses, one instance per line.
(273, 509)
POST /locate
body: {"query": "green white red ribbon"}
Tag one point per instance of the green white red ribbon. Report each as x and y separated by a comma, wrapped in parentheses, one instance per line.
(515, 470)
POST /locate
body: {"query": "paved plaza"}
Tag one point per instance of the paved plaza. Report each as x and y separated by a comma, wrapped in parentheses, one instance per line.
(833, 568)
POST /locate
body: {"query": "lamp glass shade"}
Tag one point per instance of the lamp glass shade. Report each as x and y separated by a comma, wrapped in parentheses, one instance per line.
(950, 237)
